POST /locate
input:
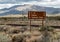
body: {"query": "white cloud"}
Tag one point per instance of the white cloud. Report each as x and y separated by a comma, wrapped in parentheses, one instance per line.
(46, 3)
(6, 5)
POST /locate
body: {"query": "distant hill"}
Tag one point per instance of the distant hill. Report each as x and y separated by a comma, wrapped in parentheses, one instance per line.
(23, 9)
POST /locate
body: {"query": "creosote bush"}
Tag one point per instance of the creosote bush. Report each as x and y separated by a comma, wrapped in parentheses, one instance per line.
(46, 28)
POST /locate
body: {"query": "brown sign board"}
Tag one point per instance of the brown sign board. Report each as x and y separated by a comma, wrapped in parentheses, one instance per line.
(36, 14)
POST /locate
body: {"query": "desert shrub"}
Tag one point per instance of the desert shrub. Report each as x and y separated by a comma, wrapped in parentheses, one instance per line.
(22, 30)
(46, 28)
(50, 29)
(18, 38)
(3, 28)
(27, 34)
(42, 29)
(13, 31)
(5, 38)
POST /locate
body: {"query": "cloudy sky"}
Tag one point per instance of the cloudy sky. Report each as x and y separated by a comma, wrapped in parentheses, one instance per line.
(46, 3)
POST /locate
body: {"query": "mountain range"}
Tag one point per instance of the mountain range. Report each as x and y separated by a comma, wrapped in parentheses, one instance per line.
(23, 9)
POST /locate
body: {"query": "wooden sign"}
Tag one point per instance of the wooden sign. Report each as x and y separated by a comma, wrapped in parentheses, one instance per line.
(36, 15)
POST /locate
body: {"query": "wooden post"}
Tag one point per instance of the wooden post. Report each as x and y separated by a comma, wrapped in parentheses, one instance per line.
(42, 23)
(30, 25)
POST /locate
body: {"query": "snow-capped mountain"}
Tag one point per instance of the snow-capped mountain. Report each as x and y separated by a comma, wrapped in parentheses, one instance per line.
(23, 9)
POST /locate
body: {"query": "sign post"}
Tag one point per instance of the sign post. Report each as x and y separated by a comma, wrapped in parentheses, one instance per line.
(36, 15)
